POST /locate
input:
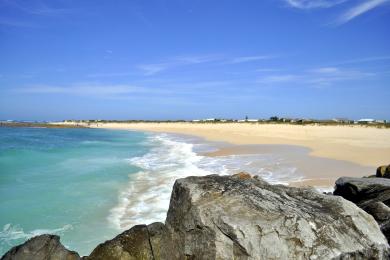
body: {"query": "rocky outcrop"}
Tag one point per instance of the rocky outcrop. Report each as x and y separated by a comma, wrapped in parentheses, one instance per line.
(240, 217)
(383, 171)
(217, 217)
(46, 247)
(370, 194)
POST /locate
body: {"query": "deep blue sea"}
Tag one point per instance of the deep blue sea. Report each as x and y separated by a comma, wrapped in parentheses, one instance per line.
(88, 185)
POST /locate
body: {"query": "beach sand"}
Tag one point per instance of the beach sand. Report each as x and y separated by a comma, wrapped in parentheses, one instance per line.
(366, 146)
(355, 150)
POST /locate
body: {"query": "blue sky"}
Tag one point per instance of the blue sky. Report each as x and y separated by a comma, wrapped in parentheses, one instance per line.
(188, 59)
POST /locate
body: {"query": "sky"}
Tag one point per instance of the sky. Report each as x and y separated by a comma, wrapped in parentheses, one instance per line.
(192, 59)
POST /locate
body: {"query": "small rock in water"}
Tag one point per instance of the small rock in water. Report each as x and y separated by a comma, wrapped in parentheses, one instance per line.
(383, 171)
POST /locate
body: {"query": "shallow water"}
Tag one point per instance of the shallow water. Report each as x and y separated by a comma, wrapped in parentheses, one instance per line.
(63, 181)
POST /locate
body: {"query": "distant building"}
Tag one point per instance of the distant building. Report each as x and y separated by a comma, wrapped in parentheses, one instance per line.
(366, 121)
(342, 120)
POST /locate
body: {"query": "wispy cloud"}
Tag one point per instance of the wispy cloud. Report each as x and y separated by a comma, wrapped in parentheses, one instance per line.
(151, 69)
(364, 60)
(83, 89)
(280, 78)
(249, 59)
(15, 23)
(316, 77)
(360, 9)
(37, 7)
(267, 70)
(108, 75)
(154, 68)
(178, 61)
(312, 4)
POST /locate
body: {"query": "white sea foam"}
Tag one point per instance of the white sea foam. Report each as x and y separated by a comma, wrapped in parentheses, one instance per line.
(14, 232)
(146, 197)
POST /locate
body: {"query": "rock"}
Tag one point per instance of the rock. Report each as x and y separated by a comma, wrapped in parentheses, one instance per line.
(359, 190)
(46, 247)
(240, 217)
(139, 242)
(383, 171)
(222, 217)
(371, 194)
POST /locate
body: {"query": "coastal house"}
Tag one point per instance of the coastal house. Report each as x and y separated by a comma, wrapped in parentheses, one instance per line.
(342, 120)
(366, 121)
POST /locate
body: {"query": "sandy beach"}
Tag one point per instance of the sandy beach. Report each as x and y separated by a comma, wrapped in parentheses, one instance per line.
(333, 151)
(366, 146)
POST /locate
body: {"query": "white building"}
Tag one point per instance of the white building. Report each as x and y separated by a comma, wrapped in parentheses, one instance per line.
(366, 121)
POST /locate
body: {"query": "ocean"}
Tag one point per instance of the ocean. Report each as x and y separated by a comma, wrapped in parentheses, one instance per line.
(88, 185)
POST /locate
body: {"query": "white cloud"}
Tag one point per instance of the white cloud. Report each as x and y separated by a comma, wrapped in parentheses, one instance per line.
(360, 9)
(312, 4)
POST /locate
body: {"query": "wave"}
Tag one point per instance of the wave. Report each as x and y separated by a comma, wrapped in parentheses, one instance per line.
(15, 232)
(147, 195)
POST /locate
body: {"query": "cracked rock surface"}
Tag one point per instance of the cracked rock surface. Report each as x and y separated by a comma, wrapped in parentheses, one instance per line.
(230, 217)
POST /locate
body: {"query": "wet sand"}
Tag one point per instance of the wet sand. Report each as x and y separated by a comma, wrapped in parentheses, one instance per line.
(318, 172)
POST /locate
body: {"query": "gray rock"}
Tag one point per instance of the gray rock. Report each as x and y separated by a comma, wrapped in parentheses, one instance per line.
(139, 242)
(46, 247)
(221, 217)
(371, 194)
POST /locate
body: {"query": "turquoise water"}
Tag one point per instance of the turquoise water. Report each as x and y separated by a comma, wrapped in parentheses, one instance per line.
(88, 185)
(63, 181)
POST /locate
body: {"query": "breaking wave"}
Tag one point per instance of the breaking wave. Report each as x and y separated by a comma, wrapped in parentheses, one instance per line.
(146, 197)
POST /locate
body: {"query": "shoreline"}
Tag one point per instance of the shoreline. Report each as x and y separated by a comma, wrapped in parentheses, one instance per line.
(358, 144)
(314, 171)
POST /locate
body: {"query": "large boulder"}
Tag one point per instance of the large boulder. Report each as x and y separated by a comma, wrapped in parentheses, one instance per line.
(383, 171)
(46, 247)
(371, 194)
(230, 217)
